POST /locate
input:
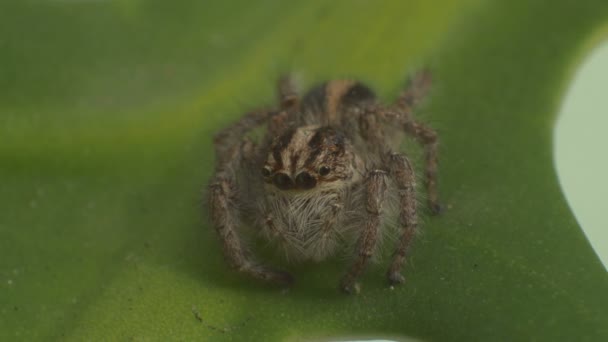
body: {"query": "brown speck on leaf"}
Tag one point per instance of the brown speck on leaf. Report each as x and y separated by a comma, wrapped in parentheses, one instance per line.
(223, 330)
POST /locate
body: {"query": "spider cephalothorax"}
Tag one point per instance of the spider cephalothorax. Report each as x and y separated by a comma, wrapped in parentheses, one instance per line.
(326, 177)
(309, 157)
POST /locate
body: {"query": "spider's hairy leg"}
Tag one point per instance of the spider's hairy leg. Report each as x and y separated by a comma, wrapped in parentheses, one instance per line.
(415, 91)
(375, 188)
(224, 215)
(226, 142)
(403, 174)
(288, 93)
(224, 209)
(427, 137)
(371, 129)
(289, 101)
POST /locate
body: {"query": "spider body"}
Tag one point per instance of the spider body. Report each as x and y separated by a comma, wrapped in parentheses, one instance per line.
(326, 177)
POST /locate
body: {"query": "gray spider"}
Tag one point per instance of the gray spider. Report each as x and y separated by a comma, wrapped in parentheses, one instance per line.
(326, 176)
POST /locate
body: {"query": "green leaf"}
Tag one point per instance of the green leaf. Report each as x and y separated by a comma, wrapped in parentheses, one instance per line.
(106, 114)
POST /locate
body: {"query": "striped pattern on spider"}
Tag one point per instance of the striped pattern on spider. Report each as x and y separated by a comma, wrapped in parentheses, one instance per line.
(326, 177)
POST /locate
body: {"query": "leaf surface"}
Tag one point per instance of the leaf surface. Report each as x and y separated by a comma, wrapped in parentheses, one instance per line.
(107, 109)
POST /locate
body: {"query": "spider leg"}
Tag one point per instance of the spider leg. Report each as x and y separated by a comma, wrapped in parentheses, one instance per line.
(370, 125)
(375, 188)
(288, 93)
(427, 137)
(223, 203)
(289, 100)
(403, 174)
(416, 90)
(227, 141)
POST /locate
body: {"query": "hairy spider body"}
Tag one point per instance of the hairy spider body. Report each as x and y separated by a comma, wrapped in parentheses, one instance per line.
(325, 178)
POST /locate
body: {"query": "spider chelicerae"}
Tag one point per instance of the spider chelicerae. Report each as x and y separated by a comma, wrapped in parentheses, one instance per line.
(326, 177)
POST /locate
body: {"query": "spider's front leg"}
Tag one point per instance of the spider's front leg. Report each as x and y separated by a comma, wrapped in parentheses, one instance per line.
(427, 137)
(375, 190)
(403, 175)
(227, 141)
(224, 209)
(416, 90)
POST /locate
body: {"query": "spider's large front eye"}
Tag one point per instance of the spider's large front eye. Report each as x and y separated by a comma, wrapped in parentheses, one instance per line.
(282, 181)
(265, 172)
(305, 181)
(324, 170)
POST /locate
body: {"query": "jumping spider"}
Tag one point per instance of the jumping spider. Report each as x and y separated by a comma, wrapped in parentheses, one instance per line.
(325, 176)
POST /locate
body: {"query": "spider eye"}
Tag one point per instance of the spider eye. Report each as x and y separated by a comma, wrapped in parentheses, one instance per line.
(283, 181)
(265, 172)
(324, 170)
(305, 181)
